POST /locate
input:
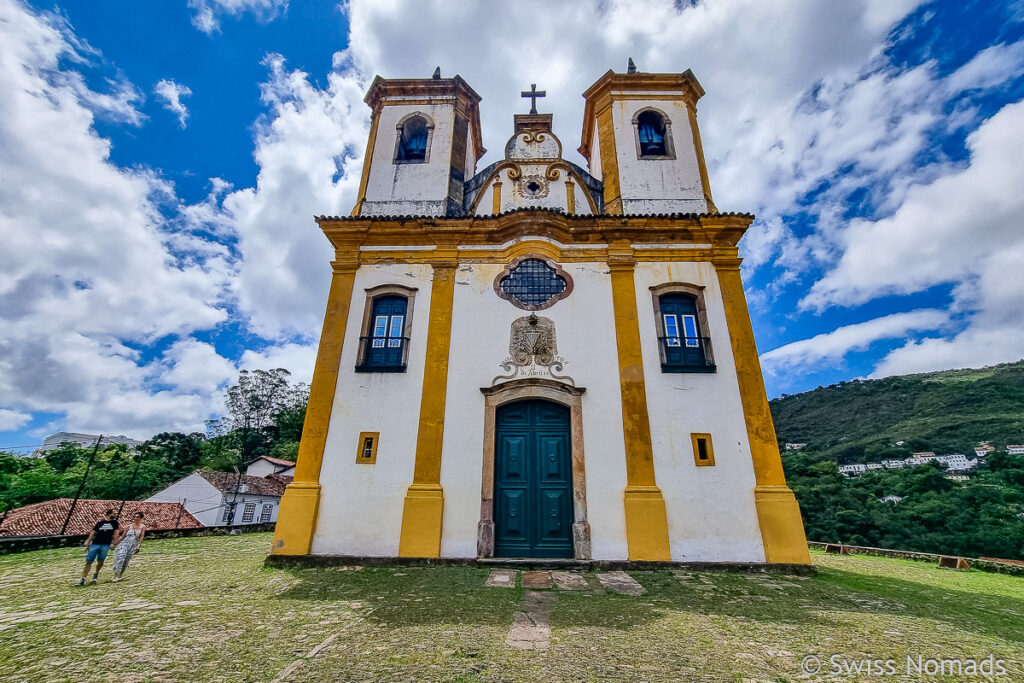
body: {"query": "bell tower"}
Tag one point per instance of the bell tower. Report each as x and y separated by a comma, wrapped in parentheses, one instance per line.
(641, 140)
(424, 143)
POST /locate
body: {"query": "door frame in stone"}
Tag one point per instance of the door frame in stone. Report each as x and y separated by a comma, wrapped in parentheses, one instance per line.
(548, 390)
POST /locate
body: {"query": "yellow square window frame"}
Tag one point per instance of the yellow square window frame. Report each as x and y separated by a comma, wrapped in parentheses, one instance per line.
(710, 460)
(363, 436)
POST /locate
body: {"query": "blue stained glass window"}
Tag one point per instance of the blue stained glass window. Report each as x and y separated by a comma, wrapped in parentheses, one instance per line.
(533, 283)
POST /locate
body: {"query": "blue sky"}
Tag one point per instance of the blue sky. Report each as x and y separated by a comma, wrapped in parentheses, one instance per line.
(162, 162)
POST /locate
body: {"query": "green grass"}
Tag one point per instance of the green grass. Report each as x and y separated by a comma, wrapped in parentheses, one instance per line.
(251, 623)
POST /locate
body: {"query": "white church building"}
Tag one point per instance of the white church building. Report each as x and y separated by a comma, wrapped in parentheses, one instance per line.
(536, 359)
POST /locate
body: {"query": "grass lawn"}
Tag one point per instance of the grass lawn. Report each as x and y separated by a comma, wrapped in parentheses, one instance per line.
(201, 609)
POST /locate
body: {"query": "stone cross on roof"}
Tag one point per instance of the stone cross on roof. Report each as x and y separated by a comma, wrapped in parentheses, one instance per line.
(533, 94)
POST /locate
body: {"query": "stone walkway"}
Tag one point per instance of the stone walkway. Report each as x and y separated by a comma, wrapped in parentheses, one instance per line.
(531, 627)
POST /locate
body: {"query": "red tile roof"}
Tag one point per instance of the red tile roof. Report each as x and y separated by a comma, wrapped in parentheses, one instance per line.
(47, 518)
(278, 461)
(258, 486)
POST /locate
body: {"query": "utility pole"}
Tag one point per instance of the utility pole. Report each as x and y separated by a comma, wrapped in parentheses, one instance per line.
(81, 486)
(238, 481)
(124, 494)
(181, 509)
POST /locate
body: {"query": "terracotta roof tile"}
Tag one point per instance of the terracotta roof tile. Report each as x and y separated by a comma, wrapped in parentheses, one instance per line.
(278, 461)
(226, 482)
(47, 518)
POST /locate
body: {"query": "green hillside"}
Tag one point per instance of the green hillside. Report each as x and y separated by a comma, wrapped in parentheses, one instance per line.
(946, 412)
(916, 508)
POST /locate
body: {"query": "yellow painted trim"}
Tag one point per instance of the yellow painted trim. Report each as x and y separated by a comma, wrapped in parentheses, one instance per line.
(496, 197)
(702, 166)
(646, 519)
(553, 251)
(778, 514)
(609, 162)
(361, 457)
(709, 450)
(364, 180)
(424, 501)
(646, 524)
(296, 518)
(570, 196)
(422, 517)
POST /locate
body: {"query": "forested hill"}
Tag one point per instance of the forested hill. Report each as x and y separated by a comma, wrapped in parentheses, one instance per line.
(945, 412)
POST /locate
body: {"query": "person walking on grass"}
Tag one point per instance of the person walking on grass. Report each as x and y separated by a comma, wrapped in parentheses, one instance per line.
(129, 544)
(98, 544)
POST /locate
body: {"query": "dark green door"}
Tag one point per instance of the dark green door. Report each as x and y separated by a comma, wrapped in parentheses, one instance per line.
(533, 481)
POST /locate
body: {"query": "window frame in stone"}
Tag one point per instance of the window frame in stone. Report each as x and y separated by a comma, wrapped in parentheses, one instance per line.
(367, 337)
(666, 122)
(700, 323)
(405, 121)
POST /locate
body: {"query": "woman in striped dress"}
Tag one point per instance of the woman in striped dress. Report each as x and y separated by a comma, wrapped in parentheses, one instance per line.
(131, 539)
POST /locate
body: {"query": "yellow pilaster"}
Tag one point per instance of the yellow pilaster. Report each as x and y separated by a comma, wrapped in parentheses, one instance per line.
(296, 518)
(702, 167)
(778, 513)
(367, 161)
(424, 501)
(609, 161)
(646, 519)
(570, 197)
(496, 197)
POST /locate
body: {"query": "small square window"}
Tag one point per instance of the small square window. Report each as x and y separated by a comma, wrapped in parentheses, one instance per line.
(367, 450)
(703, 452)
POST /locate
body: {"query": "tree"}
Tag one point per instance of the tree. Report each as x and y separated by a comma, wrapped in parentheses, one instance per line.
(180, 453)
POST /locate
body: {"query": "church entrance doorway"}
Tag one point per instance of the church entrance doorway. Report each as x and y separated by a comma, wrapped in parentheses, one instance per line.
(533, 501)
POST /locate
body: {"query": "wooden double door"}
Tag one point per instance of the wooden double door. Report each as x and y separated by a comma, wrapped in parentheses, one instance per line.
(533, 503)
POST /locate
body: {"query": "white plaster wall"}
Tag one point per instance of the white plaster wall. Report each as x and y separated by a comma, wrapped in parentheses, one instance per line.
(595, 155)
(260, 468)
(410, 188)
(469, 167)
(202, 500)
(711, 514)
(361, 505)
(585, 336)
(657, 185)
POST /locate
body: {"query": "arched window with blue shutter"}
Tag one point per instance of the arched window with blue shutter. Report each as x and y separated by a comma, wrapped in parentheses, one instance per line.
(383, 348)
(684, 346)
(413, 138)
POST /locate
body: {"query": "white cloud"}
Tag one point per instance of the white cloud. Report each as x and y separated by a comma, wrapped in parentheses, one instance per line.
(832, 346)
(296, 358)
(309, 138)
(13, 419)
(208, 13)
(171, 93)
(91, 268)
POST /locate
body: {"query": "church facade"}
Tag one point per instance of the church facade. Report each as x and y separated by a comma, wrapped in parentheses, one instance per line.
(537, 360)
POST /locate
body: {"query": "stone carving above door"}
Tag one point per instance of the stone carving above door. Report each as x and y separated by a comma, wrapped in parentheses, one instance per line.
(533, 351)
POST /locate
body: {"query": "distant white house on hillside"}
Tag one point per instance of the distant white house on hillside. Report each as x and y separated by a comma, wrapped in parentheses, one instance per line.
(220, 498)
(855, 468)
(54, 441)
(265, 466)
(983, 449)
(795, 446)
(1016, 449)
